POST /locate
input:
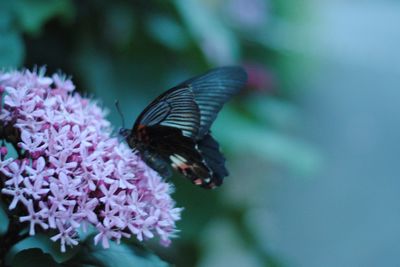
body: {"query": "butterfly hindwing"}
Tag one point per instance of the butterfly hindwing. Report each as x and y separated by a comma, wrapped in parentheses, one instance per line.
(179, 151)
(214, 159)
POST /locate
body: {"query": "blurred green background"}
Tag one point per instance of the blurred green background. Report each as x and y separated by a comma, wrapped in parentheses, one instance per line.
(311, 142)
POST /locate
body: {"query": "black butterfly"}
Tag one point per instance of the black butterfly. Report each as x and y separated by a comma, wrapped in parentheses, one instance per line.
(174, 130)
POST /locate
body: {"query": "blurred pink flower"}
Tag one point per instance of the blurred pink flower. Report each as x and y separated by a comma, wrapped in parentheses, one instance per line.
(260, 78)
(71, 172)
(248, 15)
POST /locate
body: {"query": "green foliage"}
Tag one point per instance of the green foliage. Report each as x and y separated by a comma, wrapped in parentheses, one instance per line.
(117, 255)
(172, 36)
(134, 50)
(31, 15)
(26, 16)
(11, 49)
(3, 220)
(39, 250)
(11, 46)
(33, 257)
(266, 143)
(220, 43)
(42, 242)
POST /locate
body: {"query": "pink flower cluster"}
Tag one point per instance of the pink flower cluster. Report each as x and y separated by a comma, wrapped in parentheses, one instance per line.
(70, 172)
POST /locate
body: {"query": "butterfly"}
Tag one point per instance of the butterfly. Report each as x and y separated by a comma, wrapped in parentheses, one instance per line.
(174, 129)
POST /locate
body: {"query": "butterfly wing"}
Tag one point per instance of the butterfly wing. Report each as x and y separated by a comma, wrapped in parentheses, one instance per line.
(200, 161)
(212, 90)
(165, 133)
(175, 108)
(169, 145)
(209, 149)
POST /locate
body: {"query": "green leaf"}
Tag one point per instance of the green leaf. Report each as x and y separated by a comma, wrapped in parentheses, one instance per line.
(219, 45)
(33, 257)
(44, 243)
(123, 254)
(32, 14)
(11, 49)
(11, 152)
(3, 219)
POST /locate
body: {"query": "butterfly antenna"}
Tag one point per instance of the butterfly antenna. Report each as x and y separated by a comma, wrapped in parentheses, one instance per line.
(120, 113)
(123, 132)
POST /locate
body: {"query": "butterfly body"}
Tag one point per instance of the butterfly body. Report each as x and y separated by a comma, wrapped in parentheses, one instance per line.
(174, 130)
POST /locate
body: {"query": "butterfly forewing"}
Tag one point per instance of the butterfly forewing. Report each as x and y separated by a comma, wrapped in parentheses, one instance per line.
(212, 90)
(175, 108)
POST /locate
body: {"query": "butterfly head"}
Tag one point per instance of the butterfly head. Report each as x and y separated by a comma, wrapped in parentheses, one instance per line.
(124, 133)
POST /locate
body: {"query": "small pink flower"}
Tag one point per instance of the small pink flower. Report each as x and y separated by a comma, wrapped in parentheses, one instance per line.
(66, 236)
(35, 188)
(33, 217)
(17, 193)
(62, 83)
(15, 172)
(104, 235)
